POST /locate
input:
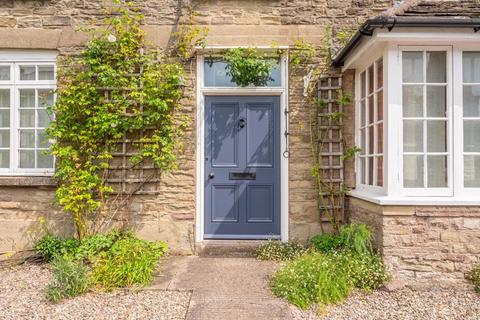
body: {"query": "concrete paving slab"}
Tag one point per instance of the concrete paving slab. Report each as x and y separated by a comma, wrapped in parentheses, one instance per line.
(224, 288)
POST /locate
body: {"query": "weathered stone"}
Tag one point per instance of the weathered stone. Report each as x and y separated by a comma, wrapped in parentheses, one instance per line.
(393, 285)
(7, 22)
(57, 21)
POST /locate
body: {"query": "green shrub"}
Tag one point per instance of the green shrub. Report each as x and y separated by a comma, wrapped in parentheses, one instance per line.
(365, 271)
(326, 242)
(129, 261)
(50, 246)
(70, 279)
(356, 237)
(474, 276)
(279, 251)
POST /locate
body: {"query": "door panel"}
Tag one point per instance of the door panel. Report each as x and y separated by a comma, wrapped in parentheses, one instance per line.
(242, 167)
(260, 135)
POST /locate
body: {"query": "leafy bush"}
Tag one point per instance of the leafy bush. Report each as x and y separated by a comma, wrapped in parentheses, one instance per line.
(474, 276)
(339, 264)
(279, 251)
(357, 237)
(70, 279)
(129, 261)
(50, 246)
(326, 242)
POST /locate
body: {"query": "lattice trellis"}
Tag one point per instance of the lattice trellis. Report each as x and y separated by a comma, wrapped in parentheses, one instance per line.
(330, 147)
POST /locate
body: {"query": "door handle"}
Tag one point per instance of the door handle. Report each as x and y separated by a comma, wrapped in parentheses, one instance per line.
(211, 175)
(241, 123)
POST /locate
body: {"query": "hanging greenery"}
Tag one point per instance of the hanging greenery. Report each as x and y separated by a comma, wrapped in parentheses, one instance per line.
(114, 88)
(249, 66)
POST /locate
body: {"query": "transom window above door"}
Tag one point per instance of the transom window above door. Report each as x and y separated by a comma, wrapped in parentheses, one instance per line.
(26, 94)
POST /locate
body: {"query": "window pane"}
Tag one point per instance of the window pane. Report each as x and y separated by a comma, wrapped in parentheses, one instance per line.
(362, 113)
(437, 171)
(380, 171)
(471, 166)
(471, 136)
(27, 118)
(436, 66)
(412, 101)
(4, 98)
(370, 170)
(363, 79)
(27, 159)
(413, 171)
(380, 106)
(436, 101)
(4, 159)
(216, 75)
(27, 72)
(413, 136)
(379, 74)
(363, 141)
(45, 98)
(436, 136)
(370, 79)
(44, 160)
(27, 138)
(27, 98)
(370, 140)
(4, 74)
(371, 113)
(471, 101)
(4, 118)
(43, 118)
(412, 66)
(46, 73)
(362, 170)
(471, 67)
(42, 139)
(4, 138)
(380, 138)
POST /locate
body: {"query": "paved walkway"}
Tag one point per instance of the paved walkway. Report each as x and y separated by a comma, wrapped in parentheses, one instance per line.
(224, 288)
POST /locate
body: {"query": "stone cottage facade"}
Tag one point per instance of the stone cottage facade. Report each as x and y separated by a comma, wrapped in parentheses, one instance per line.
(422, 239)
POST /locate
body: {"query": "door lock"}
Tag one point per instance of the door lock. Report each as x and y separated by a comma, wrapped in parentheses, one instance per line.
(241, 123)
(211, 175)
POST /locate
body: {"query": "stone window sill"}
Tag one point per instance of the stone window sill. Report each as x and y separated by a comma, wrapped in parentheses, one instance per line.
(27, 181)
(414, 201)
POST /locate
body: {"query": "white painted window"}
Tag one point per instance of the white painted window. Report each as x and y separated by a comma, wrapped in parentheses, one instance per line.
(371, 125)
(26, 91)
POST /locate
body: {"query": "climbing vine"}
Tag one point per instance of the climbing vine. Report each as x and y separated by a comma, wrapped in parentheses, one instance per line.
(113, 90)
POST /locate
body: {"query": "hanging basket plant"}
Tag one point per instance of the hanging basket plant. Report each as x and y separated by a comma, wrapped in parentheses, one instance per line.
(248, 66)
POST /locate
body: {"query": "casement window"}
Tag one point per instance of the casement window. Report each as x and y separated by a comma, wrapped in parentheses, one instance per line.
(371, 125)
(26, 92)
(419, 129)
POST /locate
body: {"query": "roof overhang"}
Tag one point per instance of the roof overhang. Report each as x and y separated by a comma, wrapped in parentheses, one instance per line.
(389, 23)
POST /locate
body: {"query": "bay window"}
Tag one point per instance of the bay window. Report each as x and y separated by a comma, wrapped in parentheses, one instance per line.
(419, 129)
(26, 93)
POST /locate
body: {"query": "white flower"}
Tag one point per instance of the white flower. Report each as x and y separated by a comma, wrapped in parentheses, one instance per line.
(113, 125)
(51, 141)
(111, 38)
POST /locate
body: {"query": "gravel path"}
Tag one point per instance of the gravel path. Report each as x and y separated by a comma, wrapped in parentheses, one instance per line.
(403, 305)
(21, 297)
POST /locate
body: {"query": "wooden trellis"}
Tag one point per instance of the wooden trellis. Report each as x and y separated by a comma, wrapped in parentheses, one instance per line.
(330, 147)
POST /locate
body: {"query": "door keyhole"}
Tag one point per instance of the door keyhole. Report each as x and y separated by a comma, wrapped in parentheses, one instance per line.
(241, 123)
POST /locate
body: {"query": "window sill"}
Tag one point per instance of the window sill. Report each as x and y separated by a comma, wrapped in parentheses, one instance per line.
(413, 201)
(27, 181)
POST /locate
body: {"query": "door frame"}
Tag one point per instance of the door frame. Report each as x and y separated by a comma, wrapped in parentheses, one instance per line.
(203, 91)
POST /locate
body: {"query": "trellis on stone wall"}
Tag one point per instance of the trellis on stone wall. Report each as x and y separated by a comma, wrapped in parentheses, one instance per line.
(330, 148)
(125, 177)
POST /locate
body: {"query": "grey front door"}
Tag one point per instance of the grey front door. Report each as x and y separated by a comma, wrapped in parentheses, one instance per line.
(242, 167)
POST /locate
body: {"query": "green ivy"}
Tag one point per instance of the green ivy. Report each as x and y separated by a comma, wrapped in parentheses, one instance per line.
(113, 89)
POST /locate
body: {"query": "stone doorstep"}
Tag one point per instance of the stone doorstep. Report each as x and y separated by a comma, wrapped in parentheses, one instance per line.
(227, 248)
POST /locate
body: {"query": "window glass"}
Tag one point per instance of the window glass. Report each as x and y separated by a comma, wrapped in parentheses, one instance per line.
(27, 72)
(471, 67)
(424, 109)
(216, 75)
(4, 74)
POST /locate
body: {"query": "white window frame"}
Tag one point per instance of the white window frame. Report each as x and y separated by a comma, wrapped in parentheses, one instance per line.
(373, 189)
(397, 94)
(14, 59)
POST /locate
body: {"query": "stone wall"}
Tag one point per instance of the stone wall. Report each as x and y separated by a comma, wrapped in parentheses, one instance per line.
(424, 245)
(52, 25)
